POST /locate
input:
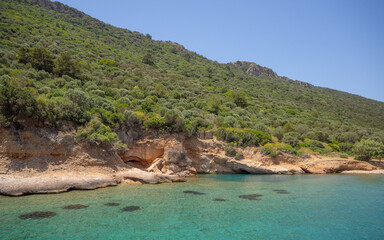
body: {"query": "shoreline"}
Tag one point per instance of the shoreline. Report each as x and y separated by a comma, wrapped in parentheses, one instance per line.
(16, 185)
(33, 162)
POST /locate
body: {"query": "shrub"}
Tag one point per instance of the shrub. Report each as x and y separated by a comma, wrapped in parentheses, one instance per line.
(291, 138)
(16, 103)
(230, 121)
(230, 150)
(66, 65)
(243, 138)
(278, 132)
(148, 59)
(282, 147)
(154, 120)
(79, 97)
(239, 156)
(130, 118)
(315, 146)
(249, 137)
(108, 62)
(147, 104)
(239, 98)
(312, 144)
(346, 147)
(189, 127)
(288, 149)
(269, 151)
(344, 155)
(96, 132)
(334, 145)
(41, 59)
(367, 148)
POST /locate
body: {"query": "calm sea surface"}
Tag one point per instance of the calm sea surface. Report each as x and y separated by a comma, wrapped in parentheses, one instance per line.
(305, 207)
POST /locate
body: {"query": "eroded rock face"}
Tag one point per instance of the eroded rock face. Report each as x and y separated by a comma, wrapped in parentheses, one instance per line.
(143, 154)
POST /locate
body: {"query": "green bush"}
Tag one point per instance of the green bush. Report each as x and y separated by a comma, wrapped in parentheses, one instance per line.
(278, 132)
(154, 120)
(367, 148)
(269, 151)
(239, 156)
(230, 150)
(346, 147)
(315, 146)
(280, 147)
(66, 65)
(243, 138)
(334, 145)
(16, 103)
(291, 138)
(96, 132)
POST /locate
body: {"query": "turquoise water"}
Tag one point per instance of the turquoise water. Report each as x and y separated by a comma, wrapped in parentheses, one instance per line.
(313, 207)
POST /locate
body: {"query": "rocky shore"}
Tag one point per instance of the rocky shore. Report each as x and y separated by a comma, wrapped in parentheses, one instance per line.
(40, 160)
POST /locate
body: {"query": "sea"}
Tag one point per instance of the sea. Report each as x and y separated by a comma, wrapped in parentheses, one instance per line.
(206, 207)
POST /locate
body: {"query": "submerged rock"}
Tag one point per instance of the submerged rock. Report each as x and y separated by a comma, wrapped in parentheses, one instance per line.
(130, 208)
(219, 200)
(251, 196)
(111, 204)
(37, 215)
(75, 206)
(194, 192)
(281, 191)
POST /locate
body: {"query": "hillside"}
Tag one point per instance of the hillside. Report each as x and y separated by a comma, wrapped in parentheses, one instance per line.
(59, 65)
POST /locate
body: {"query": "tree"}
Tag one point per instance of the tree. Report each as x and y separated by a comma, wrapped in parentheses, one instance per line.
(16, 103)
(367, 148)
(41, 59)
(66, 65)
(96, 132)
(239, 98)
(288, 127)
(148, 59)
(278, 132)
(291, 138)
(23, 55)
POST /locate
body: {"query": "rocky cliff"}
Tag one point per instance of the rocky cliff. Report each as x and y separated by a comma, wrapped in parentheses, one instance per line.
(44, 160)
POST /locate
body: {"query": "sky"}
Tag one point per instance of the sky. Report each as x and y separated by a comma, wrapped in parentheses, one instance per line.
(336, 44)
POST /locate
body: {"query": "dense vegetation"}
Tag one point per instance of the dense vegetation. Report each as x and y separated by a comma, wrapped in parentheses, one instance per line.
(58, 64)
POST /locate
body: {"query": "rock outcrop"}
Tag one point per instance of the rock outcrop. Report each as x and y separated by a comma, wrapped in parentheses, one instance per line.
(255, 70)
(37, 160)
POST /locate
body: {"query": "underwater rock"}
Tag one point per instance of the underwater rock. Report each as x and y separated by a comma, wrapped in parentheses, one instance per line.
(130, 208)
(219, 200)
(280, 191)
(75, 206)
(251, 196)
(194, 192)
(111, 204)
(37, 215)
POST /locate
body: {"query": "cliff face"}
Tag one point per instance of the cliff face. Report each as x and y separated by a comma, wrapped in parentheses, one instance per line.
(41, 160)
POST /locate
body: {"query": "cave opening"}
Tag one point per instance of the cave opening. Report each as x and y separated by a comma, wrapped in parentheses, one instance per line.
(136, 162)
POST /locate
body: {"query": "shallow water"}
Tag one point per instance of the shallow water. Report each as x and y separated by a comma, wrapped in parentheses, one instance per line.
(311, 207)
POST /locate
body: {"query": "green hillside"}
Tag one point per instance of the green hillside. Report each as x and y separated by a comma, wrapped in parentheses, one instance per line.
(58, 64)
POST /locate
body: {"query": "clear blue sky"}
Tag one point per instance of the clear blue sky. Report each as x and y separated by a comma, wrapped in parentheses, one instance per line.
(329, 43)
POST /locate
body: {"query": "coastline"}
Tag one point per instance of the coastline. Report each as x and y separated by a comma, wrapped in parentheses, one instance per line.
(17, 185)
(49, 161)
